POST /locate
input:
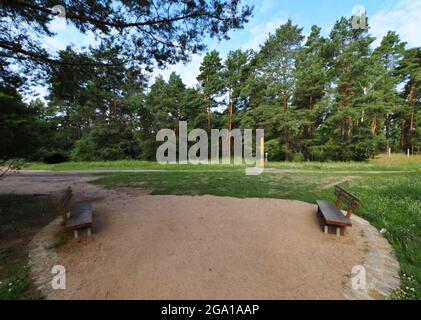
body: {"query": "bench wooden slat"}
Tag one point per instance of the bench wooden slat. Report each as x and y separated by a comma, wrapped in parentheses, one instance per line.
(65, 202)
(80, 217)
(346, 192)
(347, 197)
(332, 215)
(65, 198)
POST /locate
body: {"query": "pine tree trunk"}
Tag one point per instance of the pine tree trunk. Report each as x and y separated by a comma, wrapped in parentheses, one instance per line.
(209, 118)
(412, 99)
(287, 145)
(230, 113)
(287, 131)
(386, 124)
(403, 132)
(208, 111)
(78, 130)
(208, 108)
(230, 116)
(309, 129)
(411, 132)
(374, 125)
(310, 107)
(345, 122)
(286, 102)
(348, 120)
(115, 111)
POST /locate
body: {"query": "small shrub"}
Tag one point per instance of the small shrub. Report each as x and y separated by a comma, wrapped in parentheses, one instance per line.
(55, 157)
(105, 143)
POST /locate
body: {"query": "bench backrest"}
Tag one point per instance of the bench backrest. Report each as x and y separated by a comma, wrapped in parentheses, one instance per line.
(64, 203)
(347, 198)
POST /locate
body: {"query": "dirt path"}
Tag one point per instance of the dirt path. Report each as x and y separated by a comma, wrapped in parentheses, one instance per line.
(267, 170)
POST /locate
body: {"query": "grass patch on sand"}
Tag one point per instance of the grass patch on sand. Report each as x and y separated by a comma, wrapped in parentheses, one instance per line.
(389, 200)
(21, 217)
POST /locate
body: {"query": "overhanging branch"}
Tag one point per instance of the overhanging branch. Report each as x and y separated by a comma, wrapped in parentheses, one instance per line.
(123, 25)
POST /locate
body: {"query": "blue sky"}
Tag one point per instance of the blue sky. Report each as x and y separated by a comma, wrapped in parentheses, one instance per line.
(403, 16)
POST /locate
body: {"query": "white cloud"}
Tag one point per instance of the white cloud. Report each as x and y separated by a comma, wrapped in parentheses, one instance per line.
(57, 24)
(54, 44)
(66, 34)
(88, 39)
(266, 5)
(259, 33)
(404, 18)
(188, 72)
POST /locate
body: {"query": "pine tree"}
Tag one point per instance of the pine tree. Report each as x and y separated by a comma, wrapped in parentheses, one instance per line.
(347, 136)
(276, 66)
(312, 82)
(211, 82)
(410, 67)
(381, 98)
(236, 73)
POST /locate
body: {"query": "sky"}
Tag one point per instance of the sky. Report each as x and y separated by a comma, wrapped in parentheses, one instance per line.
(402, 16)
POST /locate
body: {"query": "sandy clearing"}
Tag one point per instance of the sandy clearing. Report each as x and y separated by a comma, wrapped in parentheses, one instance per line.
(172, 247)
(203, 247)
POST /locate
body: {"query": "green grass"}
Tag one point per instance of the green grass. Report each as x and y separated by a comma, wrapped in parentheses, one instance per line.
(21, 216)
(381, 163)
(348, 166)
(389, 200)
(128, 165)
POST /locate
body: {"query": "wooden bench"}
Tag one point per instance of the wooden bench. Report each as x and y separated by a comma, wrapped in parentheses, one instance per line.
(330, 214)
(77, 216)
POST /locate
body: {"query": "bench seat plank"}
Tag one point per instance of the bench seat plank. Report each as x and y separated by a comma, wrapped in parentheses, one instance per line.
(332, 215)
(80, 216)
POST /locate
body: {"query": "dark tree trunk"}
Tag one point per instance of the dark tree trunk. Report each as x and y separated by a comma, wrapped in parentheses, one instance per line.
(208, 111)
(411, 132)
(412, 99)
(231, 111)
(402, 144)
(286, 131)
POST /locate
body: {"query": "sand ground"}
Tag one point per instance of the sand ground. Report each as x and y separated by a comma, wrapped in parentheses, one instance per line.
(202, 247)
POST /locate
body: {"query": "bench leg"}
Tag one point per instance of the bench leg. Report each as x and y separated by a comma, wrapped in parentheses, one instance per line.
(326, 229)
(75, 234)
(89, 232)
(338, 231)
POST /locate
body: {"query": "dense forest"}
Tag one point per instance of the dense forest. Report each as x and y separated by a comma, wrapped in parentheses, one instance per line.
(335, 97)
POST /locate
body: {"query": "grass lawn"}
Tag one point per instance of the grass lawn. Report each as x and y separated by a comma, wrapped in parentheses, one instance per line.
(389, 200)
(21, 217)
(397, 162)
